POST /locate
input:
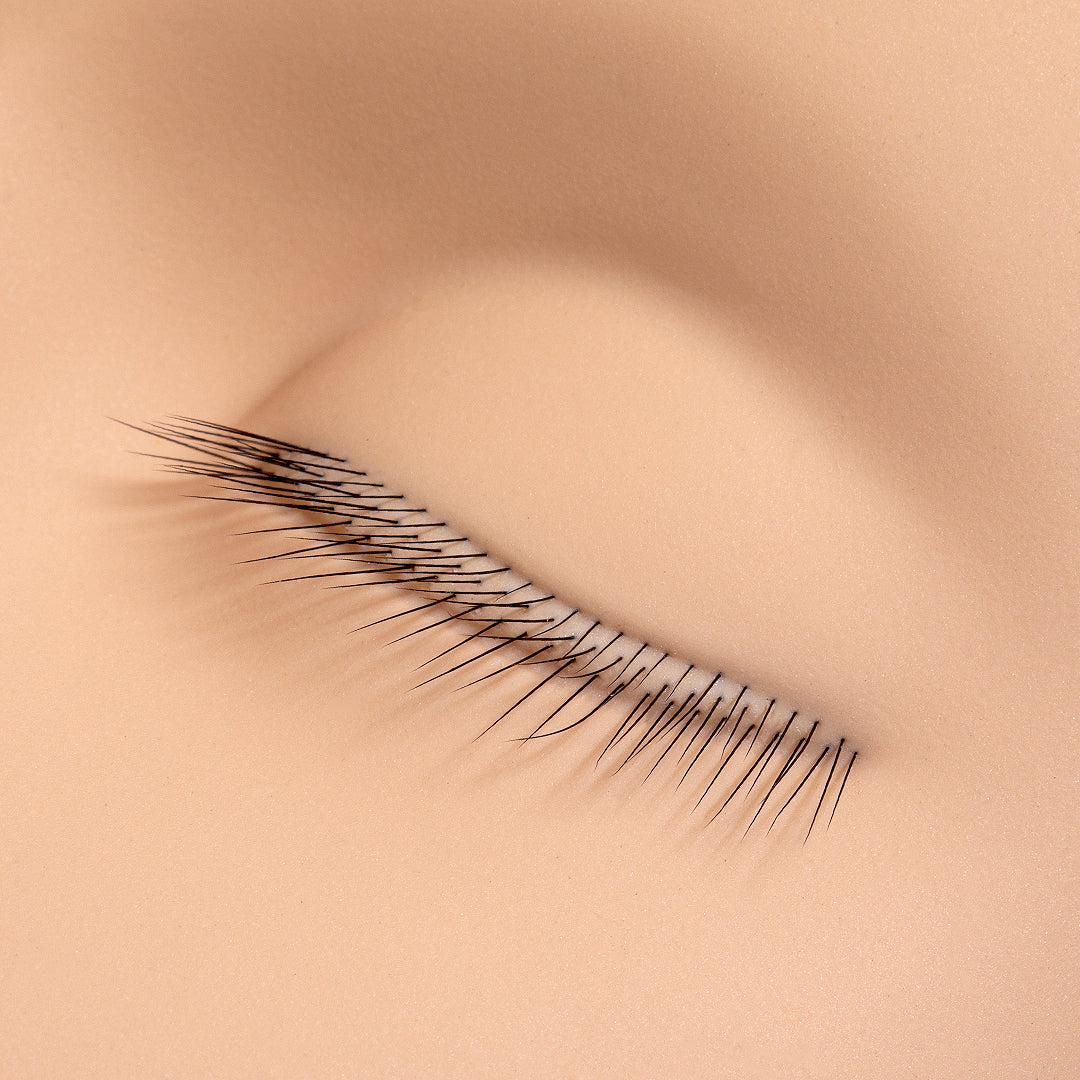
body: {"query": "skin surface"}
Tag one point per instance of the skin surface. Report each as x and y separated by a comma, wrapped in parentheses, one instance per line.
(753, 333)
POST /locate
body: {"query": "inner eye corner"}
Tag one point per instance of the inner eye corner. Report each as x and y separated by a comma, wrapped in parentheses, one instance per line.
(736, 756)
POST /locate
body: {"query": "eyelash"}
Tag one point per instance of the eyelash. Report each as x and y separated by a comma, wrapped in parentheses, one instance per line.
(395, 543)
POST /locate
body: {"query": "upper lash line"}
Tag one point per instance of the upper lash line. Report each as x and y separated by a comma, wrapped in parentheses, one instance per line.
(257, 469)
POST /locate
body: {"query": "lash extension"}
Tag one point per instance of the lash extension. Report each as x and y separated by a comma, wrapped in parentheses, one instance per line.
(718, 735)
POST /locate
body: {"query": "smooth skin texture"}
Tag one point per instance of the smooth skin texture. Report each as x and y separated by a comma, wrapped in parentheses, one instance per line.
(753, 332)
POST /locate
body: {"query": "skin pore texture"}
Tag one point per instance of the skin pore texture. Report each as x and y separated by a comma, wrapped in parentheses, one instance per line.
(753, 332)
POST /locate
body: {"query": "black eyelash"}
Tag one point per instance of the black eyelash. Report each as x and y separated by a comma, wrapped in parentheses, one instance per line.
(387, 541)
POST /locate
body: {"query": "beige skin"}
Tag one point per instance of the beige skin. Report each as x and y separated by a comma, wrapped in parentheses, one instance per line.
(753, 333)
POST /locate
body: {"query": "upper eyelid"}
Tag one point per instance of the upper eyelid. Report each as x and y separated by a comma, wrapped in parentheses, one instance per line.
(669, 699)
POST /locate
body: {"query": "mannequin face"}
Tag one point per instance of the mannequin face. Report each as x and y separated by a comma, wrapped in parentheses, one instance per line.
(751, 335)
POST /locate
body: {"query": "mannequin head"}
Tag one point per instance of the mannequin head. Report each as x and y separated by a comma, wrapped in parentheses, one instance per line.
(751, 334)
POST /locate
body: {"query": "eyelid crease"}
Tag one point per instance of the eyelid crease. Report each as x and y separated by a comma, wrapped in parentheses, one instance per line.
(422, 555)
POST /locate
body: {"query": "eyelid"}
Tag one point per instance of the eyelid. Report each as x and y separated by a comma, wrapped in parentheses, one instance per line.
(677, 711)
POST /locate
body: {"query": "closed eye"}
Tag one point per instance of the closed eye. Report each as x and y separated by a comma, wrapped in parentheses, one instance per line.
(747, 760)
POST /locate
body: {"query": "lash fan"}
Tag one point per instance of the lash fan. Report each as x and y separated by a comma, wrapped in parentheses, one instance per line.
(394, 543)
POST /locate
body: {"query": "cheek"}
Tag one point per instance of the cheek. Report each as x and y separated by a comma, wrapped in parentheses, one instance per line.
(443, 893)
